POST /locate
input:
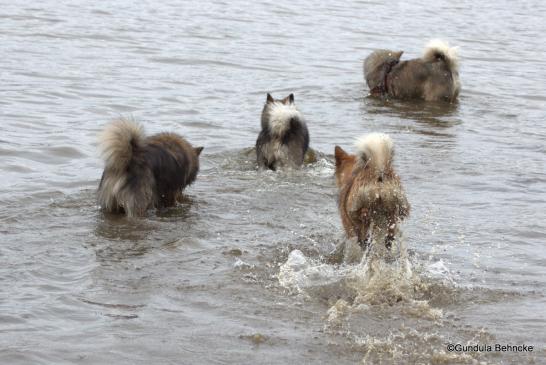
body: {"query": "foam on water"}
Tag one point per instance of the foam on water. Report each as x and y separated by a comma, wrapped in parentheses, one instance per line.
(381, 278)
(299, 273)
(382, 305)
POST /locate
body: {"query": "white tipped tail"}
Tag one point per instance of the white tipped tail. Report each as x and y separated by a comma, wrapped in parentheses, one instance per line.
(117, 141)
(376, 148)
(436, 48)
(280, 116)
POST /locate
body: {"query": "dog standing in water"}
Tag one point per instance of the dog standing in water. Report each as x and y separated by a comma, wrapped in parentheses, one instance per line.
(284, 138)
(433, 77)
(143, 172)
(371, 199)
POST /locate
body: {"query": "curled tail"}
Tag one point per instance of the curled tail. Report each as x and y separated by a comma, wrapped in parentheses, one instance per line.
(437, 49)
(376, 150)
(118, 141)
(117, 144)
(281, 116)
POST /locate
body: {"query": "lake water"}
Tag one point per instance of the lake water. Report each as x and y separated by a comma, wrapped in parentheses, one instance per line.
(236, 274)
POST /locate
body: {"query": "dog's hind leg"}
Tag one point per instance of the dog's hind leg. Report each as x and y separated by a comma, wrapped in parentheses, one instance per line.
(138, 194)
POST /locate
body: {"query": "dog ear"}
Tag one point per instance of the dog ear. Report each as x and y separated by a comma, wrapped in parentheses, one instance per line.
(269, 99)
(291, 98)
(198, 150)
(398, 54)
(340, 155)
(288, 100)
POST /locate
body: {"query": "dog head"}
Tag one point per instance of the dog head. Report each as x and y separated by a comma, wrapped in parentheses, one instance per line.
(377, 65)
(286, 101)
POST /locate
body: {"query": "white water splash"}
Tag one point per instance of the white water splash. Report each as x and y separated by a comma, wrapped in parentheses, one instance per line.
(300, 273)
(383, 278)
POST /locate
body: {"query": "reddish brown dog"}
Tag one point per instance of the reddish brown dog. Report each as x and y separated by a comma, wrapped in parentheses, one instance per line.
(371, 199)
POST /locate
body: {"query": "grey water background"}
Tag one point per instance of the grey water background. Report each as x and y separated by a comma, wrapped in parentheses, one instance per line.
(197, 284)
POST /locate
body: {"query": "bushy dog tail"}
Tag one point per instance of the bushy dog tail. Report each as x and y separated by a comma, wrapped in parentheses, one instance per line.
(376, 150)
(438, 49)
(281, 118)
(118, 141)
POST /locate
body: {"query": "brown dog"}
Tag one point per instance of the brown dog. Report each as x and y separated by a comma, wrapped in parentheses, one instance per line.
(371, 198)
(433, 77)
(143, 172)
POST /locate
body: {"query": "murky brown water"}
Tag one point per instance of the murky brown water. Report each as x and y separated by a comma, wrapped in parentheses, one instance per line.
(236, 274)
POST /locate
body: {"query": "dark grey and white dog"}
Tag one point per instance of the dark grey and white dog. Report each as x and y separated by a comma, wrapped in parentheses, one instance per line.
(433, 77)
(143, 172)
(284, 138)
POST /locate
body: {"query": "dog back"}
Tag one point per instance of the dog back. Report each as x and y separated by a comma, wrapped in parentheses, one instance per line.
(173, 162)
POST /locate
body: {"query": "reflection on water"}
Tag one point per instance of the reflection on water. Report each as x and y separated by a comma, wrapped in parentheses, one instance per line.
(118, 227)
(429, 118)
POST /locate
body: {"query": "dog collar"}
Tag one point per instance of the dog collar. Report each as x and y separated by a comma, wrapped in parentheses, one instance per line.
(383, 89)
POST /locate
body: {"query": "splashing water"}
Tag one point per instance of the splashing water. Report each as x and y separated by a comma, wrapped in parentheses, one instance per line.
(383, 278)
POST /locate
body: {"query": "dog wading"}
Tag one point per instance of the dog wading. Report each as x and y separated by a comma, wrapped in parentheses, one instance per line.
(433, 77)
(284, 138)
(371, 199)
(143, 172)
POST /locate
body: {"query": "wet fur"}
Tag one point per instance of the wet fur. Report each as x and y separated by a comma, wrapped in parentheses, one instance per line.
(433, 77)
(371, 199)
(143, 172)
(284, 137)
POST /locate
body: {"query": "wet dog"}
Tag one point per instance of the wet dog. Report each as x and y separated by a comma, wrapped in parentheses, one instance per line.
(433, 77)
(143, 172)
(371, 199)
(284, 138)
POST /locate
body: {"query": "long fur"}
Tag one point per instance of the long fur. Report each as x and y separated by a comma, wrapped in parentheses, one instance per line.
(437, 48)
(284, 137)
(377, 65)
(116, 143)
(433, 77)
(280, 116)
(143, 172)
(371, 198)
(376, 149)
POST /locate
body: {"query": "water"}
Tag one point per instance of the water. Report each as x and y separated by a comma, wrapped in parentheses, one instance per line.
(213, 280)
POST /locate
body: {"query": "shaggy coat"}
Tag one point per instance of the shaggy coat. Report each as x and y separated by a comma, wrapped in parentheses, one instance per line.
(433, 77)
(284, 138)
(371, 198)
(143, 172)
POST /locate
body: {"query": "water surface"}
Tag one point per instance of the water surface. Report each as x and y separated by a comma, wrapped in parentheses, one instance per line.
(236, 274)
